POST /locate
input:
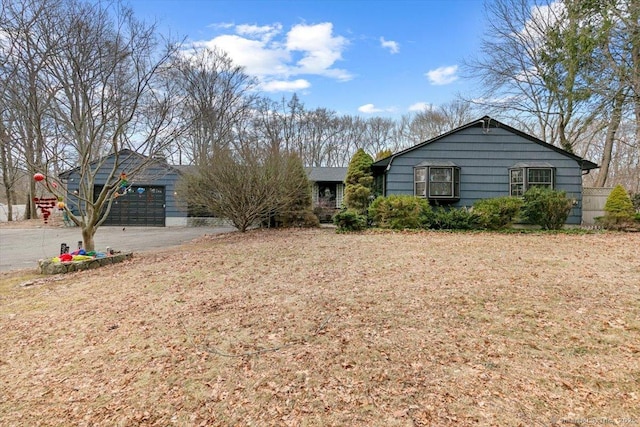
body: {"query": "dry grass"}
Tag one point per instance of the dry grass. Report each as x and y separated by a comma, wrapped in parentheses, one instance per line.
(313, 328)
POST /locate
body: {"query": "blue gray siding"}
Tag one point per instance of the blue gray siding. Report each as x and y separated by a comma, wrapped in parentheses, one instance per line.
(484, 160)
(155, 174)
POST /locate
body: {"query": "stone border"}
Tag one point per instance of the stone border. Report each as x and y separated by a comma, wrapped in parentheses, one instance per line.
(47, 266)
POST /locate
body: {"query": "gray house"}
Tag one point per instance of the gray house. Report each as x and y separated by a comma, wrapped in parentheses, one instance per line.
(480, 160)
(146, 197)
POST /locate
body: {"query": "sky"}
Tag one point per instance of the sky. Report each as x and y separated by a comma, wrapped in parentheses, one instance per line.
(356, 57)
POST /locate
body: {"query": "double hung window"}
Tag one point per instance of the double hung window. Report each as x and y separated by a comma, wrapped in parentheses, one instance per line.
(523, 177)
(437, 181)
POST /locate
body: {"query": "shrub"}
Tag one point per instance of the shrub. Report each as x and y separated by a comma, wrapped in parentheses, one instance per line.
(350, 220)
(453, 219)
(619, 211)
(358, 182)
(546, 208)
(619, 202)
(296, 210)
(497, 213)
(399, 212)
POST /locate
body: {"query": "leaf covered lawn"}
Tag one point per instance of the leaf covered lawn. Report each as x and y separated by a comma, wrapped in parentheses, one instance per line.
(314, 328)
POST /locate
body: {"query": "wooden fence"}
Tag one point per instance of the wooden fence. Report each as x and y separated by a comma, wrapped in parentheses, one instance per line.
(593, 201)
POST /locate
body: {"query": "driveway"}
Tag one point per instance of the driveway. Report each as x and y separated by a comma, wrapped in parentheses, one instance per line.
(22, 248)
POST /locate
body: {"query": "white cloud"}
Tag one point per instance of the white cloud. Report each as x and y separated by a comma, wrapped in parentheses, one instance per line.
(419, 106)
(265, 32)
(369, 109)
(443, 75)
(320, 49)
(393, 47)
(222, 25)
(258, 58)
(276, 57)
(285, 86)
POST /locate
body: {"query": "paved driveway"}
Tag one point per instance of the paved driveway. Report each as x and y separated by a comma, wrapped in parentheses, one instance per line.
(22, 248)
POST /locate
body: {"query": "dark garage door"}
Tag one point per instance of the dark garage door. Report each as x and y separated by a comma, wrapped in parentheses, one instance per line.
(142, 206)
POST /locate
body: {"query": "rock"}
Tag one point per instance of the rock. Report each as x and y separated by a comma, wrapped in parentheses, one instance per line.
(47, 266)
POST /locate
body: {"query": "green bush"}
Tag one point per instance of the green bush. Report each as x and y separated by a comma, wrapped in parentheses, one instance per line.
(359, 182)
(399, 212)
(453, 219)
(497, 213)
(619, 202)
(619, 210)
(546, 208)
(350, 220)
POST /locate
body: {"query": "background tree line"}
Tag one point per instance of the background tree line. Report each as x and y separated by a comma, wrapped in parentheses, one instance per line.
(83, 79)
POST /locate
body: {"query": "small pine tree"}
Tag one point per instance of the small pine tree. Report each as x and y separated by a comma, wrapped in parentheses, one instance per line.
(619, 203)
(359, 182)
(619, 211)
(296, 210)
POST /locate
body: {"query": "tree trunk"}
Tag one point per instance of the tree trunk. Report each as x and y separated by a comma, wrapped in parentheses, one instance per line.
(88, 233)
(6, 167)
(7, 185)
(614, 123)
(28, 206)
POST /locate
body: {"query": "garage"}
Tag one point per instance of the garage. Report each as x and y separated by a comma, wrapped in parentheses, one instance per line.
(142, 206)
(148, 197)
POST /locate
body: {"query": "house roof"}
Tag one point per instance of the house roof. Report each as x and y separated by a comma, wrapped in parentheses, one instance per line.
(487, 122)
(125, 153)
(326, 174)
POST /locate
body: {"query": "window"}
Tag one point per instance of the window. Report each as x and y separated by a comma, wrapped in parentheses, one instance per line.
(420, 179)
(525, 177)
(437, 182)
(440, 182)
(539, 178)
(517, 182)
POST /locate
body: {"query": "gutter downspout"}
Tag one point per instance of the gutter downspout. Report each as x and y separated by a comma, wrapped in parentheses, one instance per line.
(384, 180)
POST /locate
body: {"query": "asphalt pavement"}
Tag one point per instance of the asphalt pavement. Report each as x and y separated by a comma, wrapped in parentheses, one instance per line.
(22, 248)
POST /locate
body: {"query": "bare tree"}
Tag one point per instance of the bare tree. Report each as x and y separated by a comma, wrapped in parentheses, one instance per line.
(618, 69)
(25, 97)
(566, 70)
(8, 170)
(352, 138)
(96, 80)
(216, 96)
(378, 134)
(532, 67)
(249, 187)
(432, 121)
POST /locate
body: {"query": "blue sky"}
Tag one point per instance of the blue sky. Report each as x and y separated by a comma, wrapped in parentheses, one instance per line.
(366, 57)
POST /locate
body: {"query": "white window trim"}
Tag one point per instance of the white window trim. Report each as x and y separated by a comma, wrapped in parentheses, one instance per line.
(455, 184)
(525, 178)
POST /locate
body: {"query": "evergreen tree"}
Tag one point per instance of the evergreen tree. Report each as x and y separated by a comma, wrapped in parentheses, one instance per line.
(619, 203)
(619, 211)
(359, 182)
(296, 208)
